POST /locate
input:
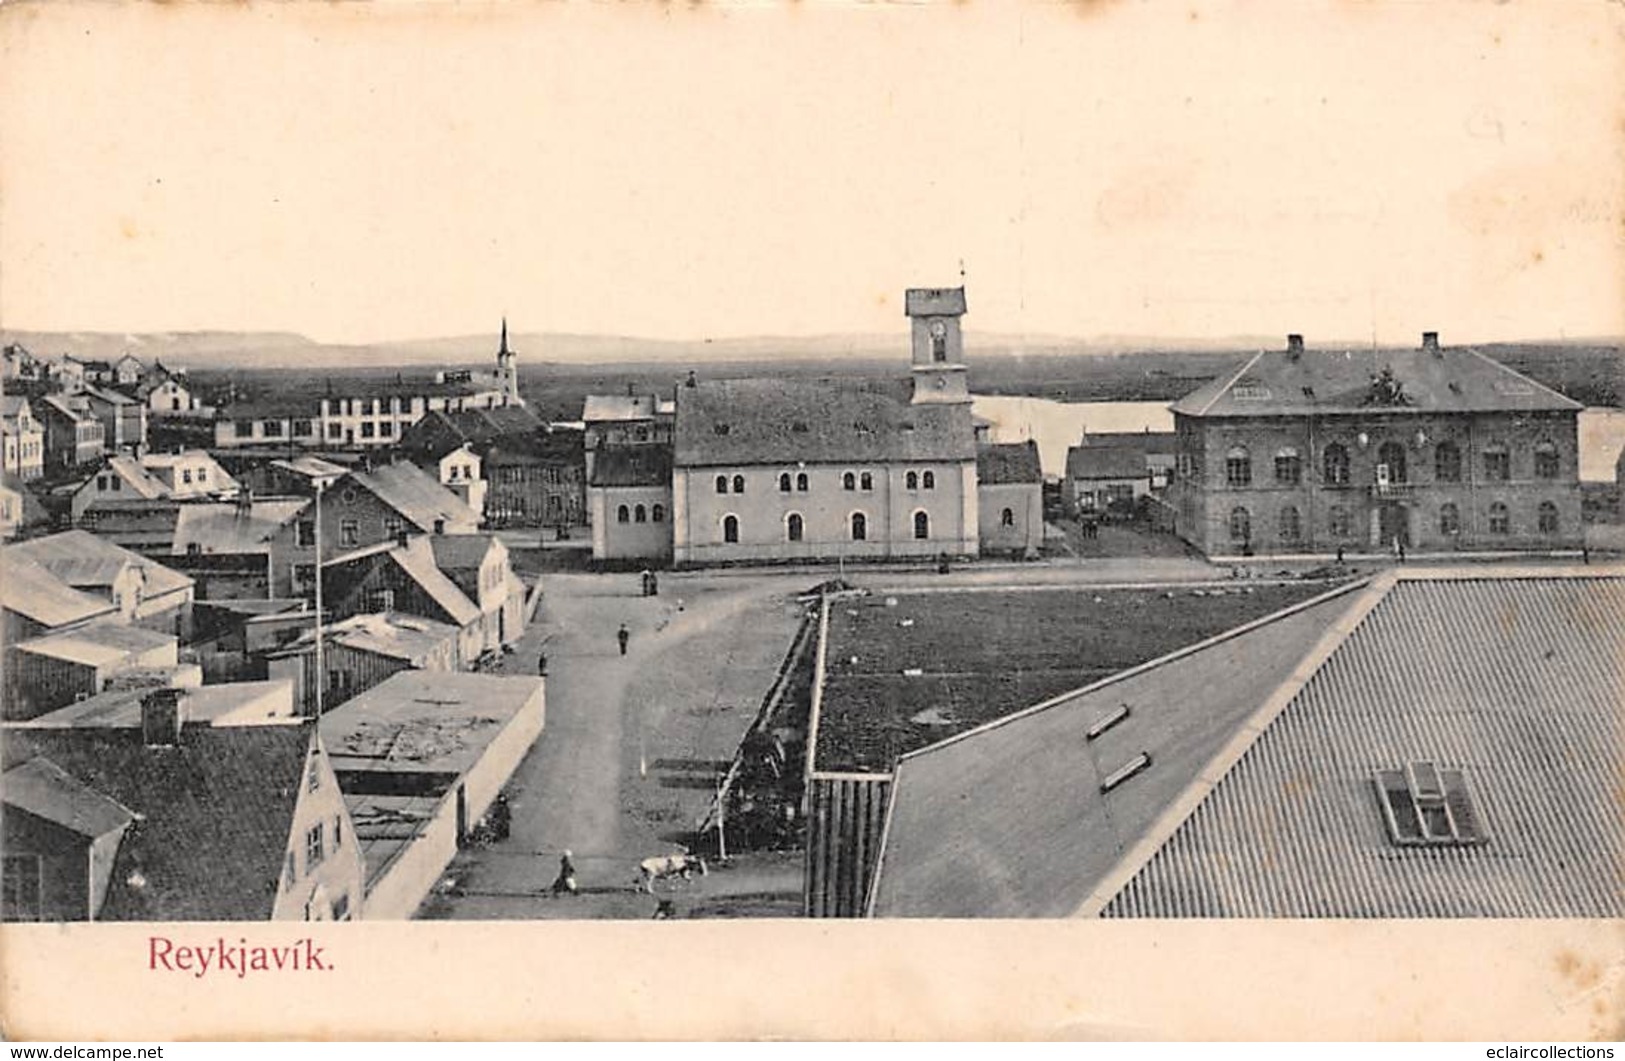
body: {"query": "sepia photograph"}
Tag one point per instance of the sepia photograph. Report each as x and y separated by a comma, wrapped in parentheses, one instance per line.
(1116, 486)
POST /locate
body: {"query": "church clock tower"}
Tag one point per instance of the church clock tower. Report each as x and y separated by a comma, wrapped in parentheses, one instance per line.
(508, 370)
(939, 349)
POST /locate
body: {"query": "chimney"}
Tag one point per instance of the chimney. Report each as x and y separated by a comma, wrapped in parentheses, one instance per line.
(1294, 346)
(162, 715)
(1430, 342)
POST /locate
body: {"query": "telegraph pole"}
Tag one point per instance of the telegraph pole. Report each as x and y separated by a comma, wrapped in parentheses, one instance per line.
(321, 673)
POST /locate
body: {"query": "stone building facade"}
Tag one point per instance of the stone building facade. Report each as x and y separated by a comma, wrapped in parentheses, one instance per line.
(1315, 451)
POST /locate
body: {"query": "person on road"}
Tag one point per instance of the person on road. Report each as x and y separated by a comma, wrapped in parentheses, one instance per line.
(501, 817)
(623, 635)
(541, 665)
(565, 882)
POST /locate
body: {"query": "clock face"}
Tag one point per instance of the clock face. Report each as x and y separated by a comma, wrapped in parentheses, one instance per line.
(939, 329)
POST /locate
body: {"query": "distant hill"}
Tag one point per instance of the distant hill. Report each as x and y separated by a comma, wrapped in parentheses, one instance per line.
(1100, 368)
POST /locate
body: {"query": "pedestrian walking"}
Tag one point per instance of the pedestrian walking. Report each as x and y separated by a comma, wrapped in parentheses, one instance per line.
(541, 665)
(654, 584)
(1339, 556)
(1400, 543)
(565, 882)
(623, 635)
(645, 576)
(501, 816)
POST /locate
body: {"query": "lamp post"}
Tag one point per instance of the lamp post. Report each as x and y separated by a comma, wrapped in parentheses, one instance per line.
(321, 673)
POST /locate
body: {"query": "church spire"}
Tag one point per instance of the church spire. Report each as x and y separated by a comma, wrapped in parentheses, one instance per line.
(504, 348)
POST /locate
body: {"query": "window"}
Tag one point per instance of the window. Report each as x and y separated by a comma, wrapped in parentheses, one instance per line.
(928, 480)
(186, 475)
(867, 481)
(1391, 455)
(860, 527)
(335, 430)
(939, 348)
(739, 484)
(383, 600)
(367, 429)
(301, 428)
(1291, 526)
(1007, 518)
(784, 482)
(1449, 519)
(1426, 805)
(20, 878)
(623, 515)
(349, 532)
(657, 513)
(793, 527)
(386, 429)
(912, 480)
(392, 527)
(101, 482)
(338, 831)
(640, 515)
(1497, 463)
(722, 484)
(1447, 462)
(194, 548)
(1500, 520)
(1335, 465)
(440, 526)
(1546, 517)
(1288, 467)
(1238, 467)
(922, 526)
(730, 529)
(313, 777)
(341, 907)
(1337, 521)
(1241, 525)
(1135, 765)
(849, 481)
(273, 429)
(307, 533)
(243, 428)
(203, 475)
(801, 482)
(1546, 463)
(315, 849)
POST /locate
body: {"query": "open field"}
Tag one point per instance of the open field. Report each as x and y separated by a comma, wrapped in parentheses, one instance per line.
(983, 655)
(1593, 374)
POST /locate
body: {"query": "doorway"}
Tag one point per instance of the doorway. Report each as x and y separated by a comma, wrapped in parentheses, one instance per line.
(1393, 524)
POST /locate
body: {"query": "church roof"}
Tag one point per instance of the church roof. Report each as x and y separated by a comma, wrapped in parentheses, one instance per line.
(777, 421)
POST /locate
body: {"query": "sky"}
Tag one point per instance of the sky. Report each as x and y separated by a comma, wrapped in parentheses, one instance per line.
(389, 171)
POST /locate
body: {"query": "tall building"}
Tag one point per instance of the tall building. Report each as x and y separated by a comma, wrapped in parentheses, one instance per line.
(1434, 448)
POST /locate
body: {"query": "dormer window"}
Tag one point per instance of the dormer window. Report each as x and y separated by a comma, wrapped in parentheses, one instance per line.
(1426, 805)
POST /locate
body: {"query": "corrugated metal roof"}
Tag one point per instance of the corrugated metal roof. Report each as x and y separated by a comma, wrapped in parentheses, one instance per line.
(97, 645)
(1518, 681)
(424, 721)
(1009, 820)
(417, 497)
(416, 558)
(34, 593)
(604, 407)
(79, 558)
(232, 528)
(205, 704)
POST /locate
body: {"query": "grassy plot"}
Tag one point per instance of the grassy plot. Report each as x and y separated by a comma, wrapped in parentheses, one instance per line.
(982, 655)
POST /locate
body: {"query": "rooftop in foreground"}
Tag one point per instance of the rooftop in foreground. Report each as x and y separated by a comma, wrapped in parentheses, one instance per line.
(904, 675)
(1436, 743)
